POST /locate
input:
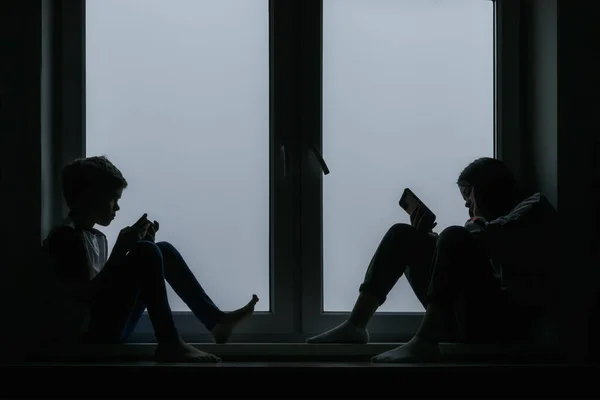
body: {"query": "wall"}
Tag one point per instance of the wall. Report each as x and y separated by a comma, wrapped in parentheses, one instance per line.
(541, 92)
(559, 139)
(578, 127)
(30, 153)
(22, 124)
(20, 121)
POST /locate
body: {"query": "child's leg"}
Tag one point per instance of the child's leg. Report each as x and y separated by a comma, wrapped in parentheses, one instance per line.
(142, 275)
(461, 271)
(187, 287)
(402, 251)
(116, 309)
(134, 318)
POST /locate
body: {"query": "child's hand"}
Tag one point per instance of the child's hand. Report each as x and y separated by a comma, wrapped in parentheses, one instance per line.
(130, 235)
(422, 221)
(151, 231)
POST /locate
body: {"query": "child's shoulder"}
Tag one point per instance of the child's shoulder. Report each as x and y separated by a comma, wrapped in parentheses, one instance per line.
(67, 231)
(66, 225)
(64, 231)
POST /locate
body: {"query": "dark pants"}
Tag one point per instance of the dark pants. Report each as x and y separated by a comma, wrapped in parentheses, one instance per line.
(451, 268)
(139, 283)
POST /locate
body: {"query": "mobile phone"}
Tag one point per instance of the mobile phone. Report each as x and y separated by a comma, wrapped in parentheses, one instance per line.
(410, 203)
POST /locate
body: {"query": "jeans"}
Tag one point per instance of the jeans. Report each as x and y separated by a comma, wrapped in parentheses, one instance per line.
(450, 268)
(139, 283)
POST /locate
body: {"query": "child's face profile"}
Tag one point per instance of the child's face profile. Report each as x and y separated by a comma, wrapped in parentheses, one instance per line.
(466, 192)
(106, 207)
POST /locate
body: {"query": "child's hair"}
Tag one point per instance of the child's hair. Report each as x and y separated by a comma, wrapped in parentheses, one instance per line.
(494, 182)
(92, 174)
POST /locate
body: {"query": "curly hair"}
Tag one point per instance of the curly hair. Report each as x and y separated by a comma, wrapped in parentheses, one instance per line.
(92, 174)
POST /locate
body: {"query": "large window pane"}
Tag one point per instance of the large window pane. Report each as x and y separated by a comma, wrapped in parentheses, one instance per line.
(408, 102)
(177, 98)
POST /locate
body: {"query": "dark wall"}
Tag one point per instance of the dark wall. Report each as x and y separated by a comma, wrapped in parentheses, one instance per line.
(578, 138)
(541, 96)
(559, 141)
(560, 46)
(24, 123)
(21, 123)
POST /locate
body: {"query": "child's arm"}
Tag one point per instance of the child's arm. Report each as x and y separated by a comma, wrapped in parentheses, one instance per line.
(117, 256)
(128, 237)
(69, 260)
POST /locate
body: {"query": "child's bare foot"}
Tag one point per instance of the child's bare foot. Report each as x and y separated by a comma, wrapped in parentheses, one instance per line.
(416, 350)
(222, 331)
(343, 333)
(180, 351)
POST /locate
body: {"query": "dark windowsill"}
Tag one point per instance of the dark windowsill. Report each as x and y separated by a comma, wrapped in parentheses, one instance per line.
(307, 352)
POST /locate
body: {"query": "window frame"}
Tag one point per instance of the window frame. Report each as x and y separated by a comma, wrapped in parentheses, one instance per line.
(296, 178)
(388, 326)
(71, 134)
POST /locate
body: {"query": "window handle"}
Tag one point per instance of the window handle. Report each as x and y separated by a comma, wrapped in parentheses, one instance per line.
(320, 158)
(283, 161)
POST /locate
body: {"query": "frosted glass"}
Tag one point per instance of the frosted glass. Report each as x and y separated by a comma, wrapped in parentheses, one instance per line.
(408, 101)
(178, 99)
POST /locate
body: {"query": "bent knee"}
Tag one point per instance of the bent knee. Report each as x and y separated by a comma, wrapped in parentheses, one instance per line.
(165, 246)
(146, 248)
(454, 231)
(401, 229)
(455, 236)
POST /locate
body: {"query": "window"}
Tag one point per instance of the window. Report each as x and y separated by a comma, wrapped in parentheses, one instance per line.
(212, 109)
(183, 111)
(173, 107)
(408, 101)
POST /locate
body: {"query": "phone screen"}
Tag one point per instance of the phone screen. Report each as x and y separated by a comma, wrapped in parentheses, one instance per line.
(410, 203)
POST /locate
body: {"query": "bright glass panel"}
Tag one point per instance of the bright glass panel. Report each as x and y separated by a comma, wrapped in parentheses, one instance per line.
(408, 94)
(178, 98)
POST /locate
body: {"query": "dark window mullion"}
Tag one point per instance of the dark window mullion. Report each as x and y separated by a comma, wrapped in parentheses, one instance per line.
(311, 98)
(284, 170)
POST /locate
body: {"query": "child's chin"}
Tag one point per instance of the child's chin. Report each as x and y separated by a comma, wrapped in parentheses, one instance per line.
(105, 223)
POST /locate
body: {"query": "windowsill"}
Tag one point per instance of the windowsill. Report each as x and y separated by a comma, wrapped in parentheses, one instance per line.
(307, 351)
(251, 349)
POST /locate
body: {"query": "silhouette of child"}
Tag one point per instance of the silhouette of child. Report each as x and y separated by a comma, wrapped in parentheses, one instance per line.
(118, 286)
(474, 281)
